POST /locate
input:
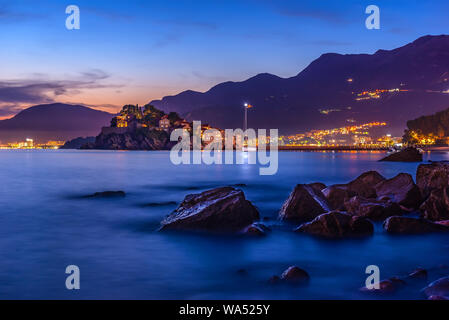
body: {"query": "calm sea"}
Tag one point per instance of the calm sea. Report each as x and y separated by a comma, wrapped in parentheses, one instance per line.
(46, 225)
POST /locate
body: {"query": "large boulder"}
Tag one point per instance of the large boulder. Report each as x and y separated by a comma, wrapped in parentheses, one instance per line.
(222, 209)
(432, 176)
(304, 204)
(371, 208)
(295, 275)
(363, 186)
(436, 207)
(400, 189)
(336, 195)
(408, 225)
(406, 155)
(337, 225)
(438, 288)
(387, 286)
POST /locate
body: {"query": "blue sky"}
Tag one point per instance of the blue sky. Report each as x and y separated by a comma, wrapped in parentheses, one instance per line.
(135, 51)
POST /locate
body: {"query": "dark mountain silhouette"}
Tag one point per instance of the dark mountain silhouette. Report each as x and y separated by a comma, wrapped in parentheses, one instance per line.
(53, 122)
(322, 96)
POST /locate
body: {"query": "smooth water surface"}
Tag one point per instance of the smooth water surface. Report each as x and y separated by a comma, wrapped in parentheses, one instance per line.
(46, 225)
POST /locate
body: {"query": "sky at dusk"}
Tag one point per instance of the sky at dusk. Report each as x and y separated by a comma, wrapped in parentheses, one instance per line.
(136, 51)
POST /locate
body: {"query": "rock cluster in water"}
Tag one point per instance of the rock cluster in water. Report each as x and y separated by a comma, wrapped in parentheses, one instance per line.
(409, 154)
(336, 211)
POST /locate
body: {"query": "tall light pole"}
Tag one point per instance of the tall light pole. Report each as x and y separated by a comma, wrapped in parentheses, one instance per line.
(245, 122)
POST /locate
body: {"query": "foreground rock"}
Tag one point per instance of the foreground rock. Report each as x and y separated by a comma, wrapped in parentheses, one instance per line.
(400, 189)
(419, 273)
(438, 288)
(407, 155)
(407, 225)
(371, 208)
(387, 286)
(295, 275)
(222, 210)
(304, 204)
(432, 176)
(256, 229)
(436, 207)
(363, 186)
(107, 194)
(337, 225)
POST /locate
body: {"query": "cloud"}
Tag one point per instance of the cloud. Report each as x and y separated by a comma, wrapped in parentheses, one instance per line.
(15, 94)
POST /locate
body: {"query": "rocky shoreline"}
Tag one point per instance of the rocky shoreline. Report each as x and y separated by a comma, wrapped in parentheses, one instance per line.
(334, 212)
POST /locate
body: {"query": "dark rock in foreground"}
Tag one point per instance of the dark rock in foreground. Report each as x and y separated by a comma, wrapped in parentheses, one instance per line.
(407, 155)
(336, 195)
(318, 186)
(222, 210)
(295, 275)
(400, 189)
(107, 194)
(432, 176)
(337, 225)
(438, 288)
(387, 286)
(256, 229)
(371, 208)
(363, 186)
(407, 225)
(436, 207)
(305, 203)
(419, 273)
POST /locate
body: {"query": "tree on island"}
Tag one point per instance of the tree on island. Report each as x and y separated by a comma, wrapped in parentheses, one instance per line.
(429, 129)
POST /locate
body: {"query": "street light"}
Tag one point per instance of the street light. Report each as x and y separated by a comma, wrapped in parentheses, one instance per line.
(245, 123)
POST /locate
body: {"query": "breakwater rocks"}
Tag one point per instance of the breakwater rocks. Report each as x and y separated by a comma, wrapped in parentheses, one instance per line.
(336, 211)
(407, 155)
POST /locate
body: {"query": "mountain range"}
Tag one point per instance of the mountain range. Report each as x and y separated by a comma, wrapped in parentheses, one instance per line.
(328, 93)
(55, 121)
(334, 90)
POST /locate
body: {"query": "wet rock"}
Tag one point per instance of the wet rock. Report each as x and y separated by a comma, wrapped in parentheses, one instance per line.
(107, 194)
(304, 204)
(408, 225)
(400, 189)
(436, 207)
(444, 222)
(256, 229)
(364, 184)
(406, 155)
(222, 209)
(437, 298)
(387, 286)
(372, 209)
(295, 275)
(317, 186)
(337, 225)
(432, 176)
(439, 287)
(336, 195)
(419, 273)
